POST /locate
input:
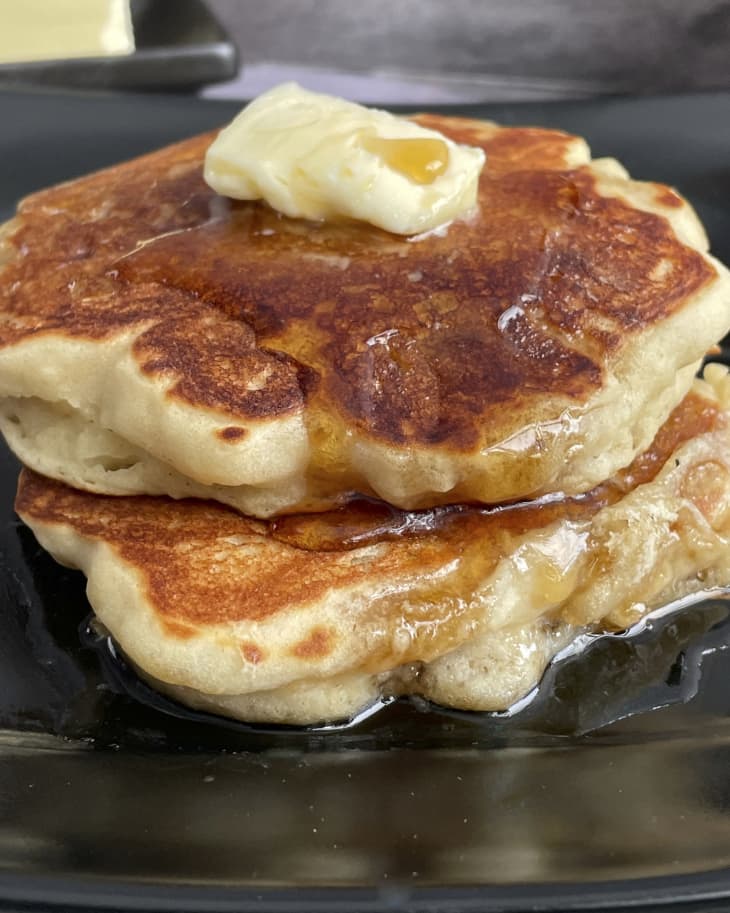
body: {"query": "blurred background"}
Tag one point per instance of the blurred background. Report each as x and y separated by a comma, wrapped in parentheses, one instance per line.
(410, 52)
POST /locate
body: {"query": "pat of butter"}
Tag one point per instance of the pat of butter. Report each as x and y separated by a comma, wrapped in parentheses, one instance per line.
(63, 29)
(312, 156)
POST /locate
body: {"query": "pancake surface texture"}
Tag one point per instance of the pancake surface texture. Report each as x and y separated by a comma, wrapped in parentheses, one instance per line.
(156, 338)
(311, 617)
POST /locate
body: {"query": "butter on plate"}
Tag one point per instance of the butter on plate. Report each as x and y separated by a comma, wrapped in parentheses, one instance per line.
(314, 156)
(64, 29)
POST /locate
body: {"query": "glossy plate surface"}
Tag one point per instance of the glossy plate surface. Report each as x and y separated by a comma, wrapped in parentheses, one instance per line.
(611, 789)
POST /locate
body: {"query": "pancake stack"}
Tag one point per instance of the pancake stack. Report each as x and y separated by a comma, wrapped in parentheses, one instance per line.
(307, 465)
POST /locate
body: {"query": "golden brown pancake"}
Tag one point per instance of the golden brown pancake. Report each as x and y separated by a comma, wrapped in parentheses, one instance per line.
(308, 618)
(222, 350)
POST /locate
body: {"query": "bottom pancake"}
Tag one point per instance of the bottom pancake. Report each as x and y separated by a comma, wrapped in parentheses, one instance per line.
(311, 618)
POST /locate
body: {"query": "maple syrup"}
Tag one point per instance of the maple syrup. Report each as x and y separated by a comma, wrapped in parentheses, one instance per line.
(420, 160)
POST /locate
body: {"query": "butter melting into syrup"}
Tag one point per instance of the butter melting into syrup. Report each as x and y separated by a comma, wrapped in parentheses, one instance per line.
(420, 160)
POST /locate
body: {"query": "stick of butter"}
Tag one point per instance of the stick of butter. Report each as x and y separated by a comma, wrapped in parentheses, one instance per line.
(313, 156)
(64, 29)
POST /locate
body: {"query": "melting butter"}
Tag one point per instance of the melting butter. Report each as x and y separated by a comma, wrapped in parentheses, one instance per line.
(313, 156)
(420, 160)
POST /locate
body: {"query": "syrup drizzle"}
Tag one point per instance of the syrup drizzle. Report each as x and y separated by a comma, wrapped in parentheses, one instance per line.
(366, 521)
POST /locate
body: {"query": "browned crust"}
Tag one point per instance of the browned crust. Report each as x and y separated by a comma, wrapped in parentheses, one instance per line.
(251, 652)
(316, 645)
(423, 343)
(231, 433)
(666, 196)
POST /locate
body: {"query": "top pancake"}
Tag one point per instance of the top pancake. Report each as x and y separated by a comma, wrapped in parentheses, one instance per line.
(536, 347)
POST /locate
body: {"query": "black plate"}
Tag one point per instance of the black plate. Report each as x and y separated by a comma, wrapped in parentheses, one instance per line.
(611, 790)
